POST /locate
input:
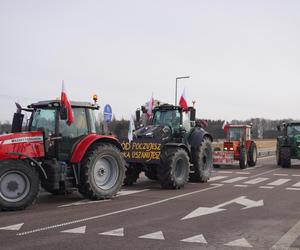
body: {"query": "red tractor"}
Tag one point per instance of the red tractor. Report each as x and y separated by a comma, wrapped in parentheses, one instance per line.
(62, 158)
(238, 147)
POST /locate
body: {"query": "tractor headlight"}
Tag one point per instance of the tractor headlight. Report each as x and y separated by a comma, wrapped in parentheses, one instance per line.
(231, 149)
(225, 148)
(298, 143)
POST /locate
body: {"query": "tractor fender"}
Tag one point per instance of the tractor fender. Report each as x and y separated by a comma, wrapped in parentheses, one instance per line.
(83, 146)
(35, 162)
(179, 145)
(196, 137)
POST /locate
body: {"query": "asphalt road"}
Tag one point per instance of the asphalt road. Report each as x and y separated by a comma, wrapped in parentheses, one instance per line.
(256, 208)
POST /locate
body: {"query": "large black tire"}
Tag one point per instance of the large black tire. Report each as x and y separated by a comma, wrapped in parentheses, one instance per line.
(19, 185)
(285, 154)
(102, 172)
(252, 155)
(243, 158)
(132, 174)
(203, 162)
(152, 173)
(278, 155)
(173, 173)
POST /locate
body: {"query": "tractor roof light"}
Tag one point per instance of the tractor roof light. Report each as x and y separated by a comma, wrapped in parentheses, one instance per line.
(95, 98)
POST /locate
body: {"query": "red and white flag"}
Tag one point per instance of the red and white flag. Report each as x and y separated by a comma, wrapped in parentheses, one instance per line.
(65, 103)
(225, 126)
(150, 107)
(183, 102)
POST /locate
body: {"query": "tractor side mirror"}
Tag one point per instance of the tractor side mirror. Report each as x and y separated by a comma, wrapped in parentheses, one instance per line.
(138, 115)
(63, 113)
(193, 115)
(17, 123)
(278, 128)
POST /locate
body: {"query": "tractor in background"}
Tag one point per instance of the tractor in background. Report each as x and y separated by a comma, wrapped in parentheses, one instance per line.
(237, 147)
(288, 144)
(172, 149)
(62, 158)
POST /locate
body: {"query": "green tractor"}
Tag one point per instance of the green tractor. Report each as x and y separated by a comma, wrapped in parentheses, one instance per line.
(172, 149)
(288, 144)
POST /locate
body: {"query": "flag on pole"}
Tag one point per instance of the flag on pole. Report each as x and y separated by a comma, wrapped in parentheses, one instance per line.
(65, 103)
(225, 126)
(183, 102)
(131, 129)
(150, 107)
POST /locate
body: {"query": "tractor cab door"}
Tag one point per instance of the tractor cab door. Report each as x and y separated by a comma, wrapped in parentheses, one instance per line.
(71, 134)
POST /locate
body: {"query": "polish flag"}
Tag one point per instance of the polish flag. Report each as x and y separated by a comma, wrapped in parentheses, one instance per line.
(225, 126)
(182, 102)
(65, 103)
(150, 107)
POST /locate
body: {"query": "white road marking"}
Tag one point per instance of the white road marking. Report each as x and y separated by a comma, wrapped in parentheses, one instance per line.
(297, 184)
(266, 187)
(289, 238)
(196, 239)
(279, 182)
(242, 200)
(224, 172)
(241, 186)
(296, 175)
(242, 172)
(77, 230)
(15, 227)
(154, 236)
(214, 186)
(234, 180)
(256, 181)
(281, 174)
(85, 202)
(293, 189)
(267, 172)
(239, 243)
(216, 178)
(117, 232)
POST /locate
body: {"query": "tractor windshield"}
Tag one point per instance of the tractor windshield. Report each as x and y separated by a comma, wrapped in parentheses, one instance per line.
(43, 120)
(293, 129)
(235, 134)
(167, 117)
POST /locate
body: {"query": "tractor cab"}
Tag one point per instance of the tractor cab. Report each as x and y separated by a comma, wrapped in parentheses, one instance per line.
(237, 135)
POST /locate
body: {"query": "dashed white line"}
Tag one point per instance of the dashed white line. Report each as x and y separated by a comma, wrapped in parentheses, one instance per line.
(225, 172)
(242, 172)
(296, 175)
(242, 186)
(297, 184)
(266, 187)
(235, 180)
(293, 189)
(256, 181)
(279, 182)
(219, 177)
(281, 174)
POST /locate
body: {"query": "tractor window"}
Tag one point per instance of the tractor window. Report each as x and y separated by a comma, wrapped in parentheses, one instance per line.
(43, 120)
(293, 130)
(169, 117)
(235, 134)
(79, 126)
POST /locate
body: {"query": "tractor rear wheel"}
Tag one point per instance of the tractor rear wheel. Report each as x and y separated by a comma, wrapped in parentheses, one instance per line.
(285, 155)
(243, 158)
(132, 174)
(252, 155)
(203, 162)
(19, 185)
(173, 173)
(102, 172)
(278, 155)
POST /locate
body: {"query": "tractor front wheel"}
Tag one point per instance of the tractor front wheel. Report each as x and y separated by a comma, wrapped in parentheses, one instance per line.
(243, 158)
(203, 162)
(278, 155)
(173, 173)
(285, 155)
(102, 172)
(19, 185)
(252, 155)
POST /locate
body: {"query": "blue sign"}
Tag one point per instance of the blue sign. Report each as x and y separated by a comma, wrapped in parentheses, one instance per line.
(107, 114)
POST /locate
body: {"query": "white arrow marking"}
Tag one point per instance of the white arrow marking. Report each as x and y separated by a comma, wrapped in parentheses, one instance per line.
(196, 239)
(289, 238)
(239, 243)
(247, 203)
(297, 184)
(117, 232)
(154, 236)
(203, 211)
(15, 227)
(77, 230)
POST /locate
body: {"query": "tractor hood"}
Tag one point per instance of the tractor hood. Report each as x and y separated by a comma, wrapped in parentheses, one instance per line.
(154, 131)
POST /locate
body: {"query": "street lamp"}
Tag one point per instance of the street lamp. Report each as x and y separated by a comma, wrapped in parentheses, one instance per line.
(178, 78)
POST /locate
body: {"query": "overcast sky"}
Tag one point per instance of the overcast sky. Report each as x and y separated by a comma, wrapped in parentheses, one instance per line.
(243, 56)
